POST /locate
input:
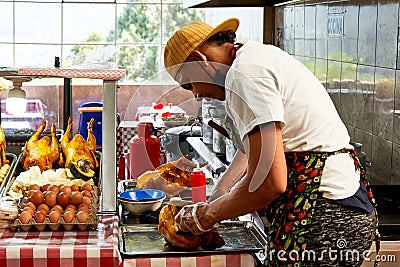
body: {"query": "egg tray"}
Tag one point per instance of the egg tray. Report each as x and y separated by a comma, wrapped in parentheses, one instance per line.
(90, 223)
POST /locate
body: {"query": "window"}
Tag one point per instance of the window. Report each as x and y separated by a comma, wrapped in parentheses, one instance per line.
(34, 32)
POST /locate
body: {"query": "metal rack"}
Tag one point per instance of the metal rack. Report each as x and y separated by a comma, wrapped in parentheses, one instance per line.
(108, 175)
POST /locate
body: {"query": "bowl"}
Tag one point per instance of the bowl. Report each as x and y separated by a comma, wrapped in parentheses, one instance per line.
(136, 195)
(138, 201)
(139, 207)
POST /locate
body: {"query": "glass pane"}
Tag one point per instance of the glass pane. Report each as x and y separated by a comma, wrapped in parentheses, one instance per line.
(138, 23)
(37, 23)
(6, 22)
(141, 61)
(251, 20)
(36, 55)
(175, 17)
(75, 55)
(6, 55)
(88, 23)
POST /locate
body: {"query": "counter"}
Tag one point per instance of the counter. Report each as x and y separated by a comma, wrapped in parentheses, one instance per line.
(48, 248)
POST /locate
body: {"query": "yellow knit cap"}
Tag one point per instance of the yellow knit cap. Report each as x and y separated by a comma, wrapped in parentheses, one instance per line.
(187, 39)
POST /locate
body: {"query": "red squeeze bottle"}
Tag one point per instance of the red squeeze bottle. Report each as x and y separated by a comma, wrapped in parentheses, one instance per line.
(198, 179)
(144, 150)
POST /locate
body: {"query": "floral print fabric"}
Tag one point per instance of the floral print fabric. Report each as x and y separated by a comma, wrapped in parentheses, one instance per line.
(290, 215)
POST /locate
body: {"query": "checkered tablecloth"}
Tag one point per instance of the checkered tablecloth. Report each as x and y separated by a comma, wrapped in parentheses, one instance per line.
(103, 74)
(62, 248)
(125, 132)
(229, 260)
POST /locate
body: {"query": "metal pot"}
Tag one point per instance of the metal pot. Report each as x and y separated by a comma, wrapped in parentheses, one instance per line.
(174, 141)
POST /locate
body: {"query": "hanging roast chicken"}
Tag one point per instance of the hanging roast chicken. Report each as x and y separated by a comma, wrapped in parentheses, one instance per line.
(78, 154)
(41, 151)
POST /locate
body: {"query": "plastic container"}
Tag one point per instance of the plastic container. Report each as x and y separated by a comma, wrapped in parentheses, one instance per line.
(144, 150)
(198, 179)
(87, 111)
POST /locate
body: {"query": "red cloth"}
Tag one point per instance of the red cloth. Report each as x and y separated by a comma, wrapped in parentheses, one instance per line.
(62, 248)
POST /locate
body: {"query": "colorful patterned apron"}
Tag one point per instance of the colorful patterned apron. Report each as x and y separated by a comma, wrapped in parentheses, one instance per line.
(290, 215)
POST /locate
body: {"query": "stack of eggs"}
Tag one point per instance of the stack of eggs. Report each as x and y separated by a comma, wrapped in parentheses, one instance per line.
(58, 203)
(138, 201)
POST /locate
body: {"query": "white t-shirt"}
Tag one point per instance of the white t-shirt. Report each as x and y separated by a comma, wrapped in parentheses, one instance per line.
(265, 84)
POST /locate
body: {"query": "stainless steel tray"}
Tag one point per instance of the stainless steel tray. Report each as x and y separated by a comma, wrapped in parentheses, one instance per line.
(144, 240)
(13, 163)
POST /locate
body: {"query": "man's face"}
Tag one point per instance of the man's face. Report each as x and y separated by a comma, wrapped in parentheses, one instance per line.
(199, 77)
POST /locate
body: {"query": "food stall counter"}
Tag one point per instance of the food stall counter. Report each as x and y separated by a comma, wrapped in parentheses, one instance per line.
(97, 247)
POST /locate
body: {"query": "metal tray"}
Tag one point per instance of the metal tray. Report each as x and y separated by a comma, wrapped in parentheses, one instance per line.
(145, 241)
(13, 163)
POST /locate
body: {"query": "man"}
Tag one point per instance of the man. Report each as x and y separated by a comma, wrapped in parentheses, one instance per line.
(295, 166)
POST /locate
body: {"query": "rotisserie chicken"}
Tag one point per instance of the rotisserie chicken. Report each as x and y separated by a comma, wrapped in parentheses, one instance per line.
(206, 241)
(172, 177)
(3, 146)
(78, 149)
(42, 152)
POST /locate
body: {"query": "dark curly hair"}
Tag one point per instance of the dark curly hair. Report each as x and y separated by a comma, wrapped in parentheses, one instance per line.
(222, 37)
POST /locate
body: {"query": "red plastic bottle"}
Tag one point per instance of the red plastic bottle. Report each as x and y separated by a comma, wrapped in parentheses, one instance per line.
(144, 150)
(198, 179)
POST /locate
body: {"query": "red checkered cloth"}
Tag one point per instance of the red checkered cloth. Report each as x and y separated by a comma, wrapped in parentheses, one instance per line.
(231, 260)
(62, 248)
(108, 75)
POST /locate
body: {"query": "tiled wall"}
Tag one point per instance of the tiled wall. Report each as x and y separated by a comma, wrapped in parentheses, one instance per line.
(352, 47)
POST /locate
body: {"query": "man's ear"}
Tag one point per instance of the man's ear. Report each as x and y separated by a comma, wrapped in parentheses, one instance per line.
(197, 55)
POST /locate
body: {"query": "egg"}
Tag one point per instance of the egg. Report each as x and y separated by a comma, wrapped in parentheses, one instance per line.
(84, 207)
(86, 186)
(37, 197)
(58, 208)
(44, 187)
(87, 201)
(68, 216)
(70, 207)
(66, 189)
(43, 207)
(50, 198)
(31, 205)
(82, 216)
(34, 187)
(29, 209)
(76, 198)
(29, 194)
(25, 217)
(74, 187)
(86, 193)
(39, 216)
(63, 199)
(54, 216)
(54, 188)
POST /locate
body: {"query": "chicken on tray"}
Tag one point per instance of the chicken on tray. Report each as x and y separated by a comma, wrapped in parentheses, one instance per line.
(172, 177)
(41, 151)
(210, 240)
(79, 154)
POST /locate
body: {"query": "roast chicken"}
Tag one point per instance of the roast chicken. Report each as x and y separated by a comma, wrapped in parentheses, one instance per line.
(172, 177)
(78, 149)
(41, 151)
(210, 240)
(3, 159)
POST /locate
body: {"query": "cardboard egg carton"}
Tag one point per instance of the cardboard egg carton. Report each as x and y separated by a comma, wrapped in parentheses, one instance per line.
(91, 222)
